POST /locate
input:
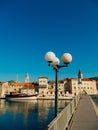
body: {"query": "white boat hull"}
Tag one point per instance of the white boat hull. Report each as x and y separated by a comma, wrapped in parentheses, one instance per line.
(28, 98)
(17, 98)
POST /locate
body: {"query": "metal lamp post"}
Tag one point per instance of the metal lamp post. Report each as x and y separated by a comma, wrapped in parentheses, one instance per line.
(53, 61)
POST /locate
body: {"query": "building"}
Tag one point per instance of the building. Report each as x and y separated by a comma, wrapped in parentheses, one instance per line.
(25, 87)
(3, 89)
(43, 85)
(44, 88)
(80, 85)
(87, 85)
(68, 86)
(97, 86)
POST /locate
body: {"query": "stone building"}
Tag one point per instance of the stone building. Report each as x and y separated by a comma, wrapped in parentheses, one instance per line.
(80, 85)
(3, 89)
(44, 88)
(43, 85)
(23, 87)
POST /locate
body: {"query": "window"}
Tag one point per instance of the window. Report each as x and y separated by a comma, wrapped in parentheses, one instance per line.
(44, 81)
(40, 81)
(74, 83)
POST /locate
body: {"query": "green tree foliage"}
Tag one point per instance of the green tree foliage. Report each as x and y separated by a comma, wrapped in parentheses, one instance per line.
(11, 81)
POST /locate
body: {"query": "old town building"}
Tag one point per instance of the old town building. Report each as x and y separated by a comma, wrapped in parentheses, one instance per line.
(44, 87)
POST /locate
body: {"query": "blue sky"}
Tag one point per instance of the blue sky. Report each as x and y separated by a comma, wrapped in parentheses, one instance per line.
(30, 28)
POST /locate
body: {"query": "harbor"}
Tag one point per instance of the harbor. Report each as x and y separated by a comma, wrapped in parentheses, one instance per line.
(41, 106)
(48, 65)
(28, 115)
(39, 114)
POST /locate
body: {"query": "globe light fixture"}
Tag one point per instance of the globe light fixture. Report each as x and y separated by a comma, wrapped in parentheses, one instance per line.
(50, 56)
(66, 58)
(54, 61)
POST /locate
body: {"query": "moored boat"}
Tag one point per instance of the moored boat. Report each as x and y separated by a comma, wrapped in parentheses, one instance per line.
(15, 97)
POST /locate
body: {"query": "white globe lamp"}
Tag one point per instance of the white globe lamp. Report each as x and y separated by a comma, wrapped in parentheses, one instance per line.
(50, 56)
(66, 58)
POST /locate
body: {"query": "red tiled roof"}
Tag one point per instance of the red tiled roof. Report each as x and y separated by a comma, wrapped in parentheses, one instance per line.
(22, 84)
(43, 77)
(2, 83)
(83, 79)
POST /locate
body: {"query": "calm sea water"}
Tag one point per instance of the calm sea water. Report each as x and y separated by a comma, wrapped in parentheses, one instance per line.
(27, 115)
(95, 99)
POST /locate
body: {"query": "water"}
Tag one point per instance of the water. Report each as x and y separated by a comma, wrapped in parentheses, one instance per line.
(27, 115)
(95, 99)
(95, 103)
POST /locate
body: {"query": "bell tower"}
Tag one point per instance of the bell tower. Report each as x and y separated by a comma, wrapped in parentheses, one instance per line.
(17, 81)
(27, 78)
(80, 77)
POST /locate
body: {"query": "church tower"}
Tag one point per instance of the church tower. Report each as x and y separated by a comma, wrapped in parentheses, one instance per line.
(27, 78)
(80, 77)
(17, 81)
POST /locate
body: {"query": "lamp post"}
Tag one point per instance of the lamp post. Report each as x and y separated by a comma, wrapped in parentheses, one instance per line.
(53, 61)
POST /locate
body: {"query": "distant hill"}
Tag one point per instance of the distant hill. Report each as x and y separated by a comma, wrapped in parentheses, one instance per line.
(94, 78)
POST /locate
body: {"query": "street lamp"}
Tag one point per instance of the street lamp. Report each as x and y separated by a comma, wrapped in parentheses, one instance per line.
(54, 61)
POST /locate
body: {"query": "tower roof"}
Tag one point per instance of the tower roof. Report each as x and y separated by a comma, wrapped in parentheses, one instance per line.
(27, 78)
(79, 72)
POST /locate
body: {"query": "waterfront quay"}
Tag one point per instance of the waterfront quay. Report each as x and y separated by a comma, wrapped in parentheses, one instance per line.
(80, 114)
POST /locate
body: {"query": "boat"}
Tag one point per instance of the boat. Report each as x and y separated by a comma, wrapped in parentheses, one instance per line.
(17, 97)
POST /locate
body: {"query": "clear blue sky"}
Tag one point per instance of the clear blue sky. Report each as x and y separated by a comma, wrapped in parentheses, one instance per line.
(30, 28)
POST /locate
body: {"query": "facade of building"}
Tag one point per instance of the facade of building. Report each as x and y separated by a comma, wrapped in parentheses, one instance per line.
(48, 89)
(87, 85)
(68, 86)
(80, 85)
(25, 88)
(3, 89)
(44, 88)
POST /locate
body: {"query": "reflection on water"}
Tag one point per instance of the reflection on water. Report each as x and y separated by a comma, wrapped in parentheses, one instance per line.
(27, 115)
